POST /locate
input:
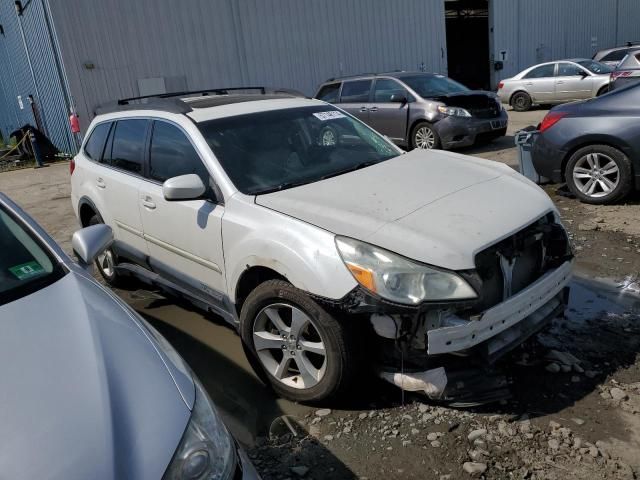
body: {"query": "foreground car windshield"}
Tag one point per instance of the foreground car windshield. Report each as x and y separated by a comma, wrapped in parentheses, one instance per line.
(269, 151)
(595, 67)
(24, 265)
(433, 85)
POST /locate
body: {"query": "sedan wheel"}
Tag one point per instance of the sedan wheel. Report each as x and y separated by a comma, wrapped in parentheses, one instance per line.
(106, 263)
(596, 175)
(290, 346)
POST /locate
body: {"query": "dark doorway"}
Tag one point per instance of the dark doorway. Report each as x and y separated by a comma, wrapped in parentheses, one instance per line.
(467, 26)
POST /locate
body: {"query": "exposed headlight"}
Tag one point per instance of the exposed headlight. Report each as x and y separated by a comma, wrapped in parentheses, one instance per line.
(453, 111)
(398, 279)
(206, 451)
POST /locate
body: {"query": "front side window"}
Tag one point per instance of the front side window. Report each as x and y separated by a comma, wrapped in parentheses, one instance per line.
(385, 88)
(595, 67)
(172, 154)
(95, 144)
(329, 93)
(127, 145)
(356, 91)
(543, 71)
(269, 151)
(25, 265)
(569, 70)
(430, 86)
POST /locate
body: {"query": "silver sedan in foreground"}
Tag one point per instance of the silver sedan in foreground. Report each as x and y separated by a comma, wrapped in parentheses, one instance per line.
(555, 82)
(89, 389)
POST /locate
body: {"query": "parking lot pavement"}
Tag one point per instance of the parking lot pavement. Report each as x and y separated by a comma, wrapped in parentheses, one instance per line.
(374, 435)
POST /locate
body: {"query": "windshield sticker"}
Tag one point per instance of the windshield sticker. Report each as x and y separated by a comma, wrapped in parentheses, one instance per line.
(330, 115)
(27, 270)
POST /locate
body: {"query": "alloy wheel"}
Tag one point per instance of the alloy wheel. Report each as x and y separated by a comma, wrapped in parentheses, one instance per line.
(425, 138)
(106, 263)
(596, 175)
(289, 346)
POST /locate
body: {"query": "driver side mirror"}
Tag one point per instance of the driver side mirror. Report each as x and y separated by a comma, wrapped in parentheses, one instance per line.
(184, 187)
(398, 98)
(583, 74)
(90, 242)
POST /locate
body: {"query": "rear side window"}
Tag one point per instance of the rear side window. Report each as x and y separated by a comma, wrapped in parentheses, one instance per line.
(95, 144)
(127, 145)
(172, 154)
(541, 71)
(614, 56)
(356, 91)
(329, 93)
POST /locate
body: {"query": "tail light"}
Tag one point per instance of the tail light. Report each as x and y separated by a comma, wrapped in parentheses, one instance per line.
(72, 166)
(500, 85)
(619, 73)
(551, 119)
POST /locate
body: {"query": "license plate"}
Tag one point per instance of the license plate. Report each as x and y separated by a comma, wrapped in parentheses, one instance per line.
(496, 124)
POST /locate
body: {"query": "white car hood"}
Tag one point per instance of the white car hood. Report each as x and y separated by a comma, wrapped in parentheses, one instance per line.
(436, 207)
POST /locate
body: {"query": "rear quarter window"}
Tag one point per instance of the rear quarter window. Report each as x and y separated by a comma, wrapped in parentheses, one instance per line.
(94, 146)
(614, 56)
(329, 93)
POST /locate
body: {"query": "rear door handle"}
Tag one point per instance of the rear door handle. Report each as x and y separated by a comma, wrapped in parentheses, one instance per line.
(100, 183)
(559, 82)
(373, 109)
(364, 109)
(148, 202)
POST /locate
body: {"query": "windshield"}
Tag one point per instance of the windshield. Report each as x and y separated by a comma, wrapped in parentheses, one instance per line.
(24, 265)
(269, 151)
(595, 67)
(428, 86)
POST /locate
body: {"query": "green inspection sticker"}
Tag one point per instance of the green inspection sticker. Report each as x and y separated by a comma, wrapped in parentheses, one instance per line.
(27, 270)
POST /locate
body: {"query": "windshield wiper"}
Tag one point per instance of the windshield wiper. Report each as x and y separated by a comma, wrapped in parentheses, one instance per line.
(350, 169)
(282, 186)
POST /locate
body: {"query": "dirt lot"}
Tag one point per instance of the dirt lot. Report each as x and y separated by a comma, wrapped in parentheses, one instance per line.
(575, 414)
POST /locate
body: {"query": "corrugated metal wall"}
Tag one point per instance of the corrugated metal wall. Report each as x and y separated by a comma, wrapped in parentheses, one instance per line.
(17, 79)
(207, 43)
(535, 31)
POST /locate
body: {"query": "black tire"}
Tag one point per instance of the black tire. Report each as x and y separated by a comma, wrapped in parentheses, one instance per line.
(112, 278)
(341, 350)
(604, 154)
(521, 101)
(429, 130)
(603, 90)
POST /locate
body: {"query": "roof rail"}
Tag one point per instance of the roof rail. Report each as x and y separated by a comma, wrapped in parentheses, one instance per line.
(172, 102)
(362, 75)
(631, 44)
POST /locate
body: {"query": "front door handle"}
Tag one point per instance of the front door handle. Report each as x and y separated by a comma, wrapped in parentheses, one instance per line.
(364, 109)
(100, 183)
(559, 82)
(373, 109)
(529, 84)
(148, 202)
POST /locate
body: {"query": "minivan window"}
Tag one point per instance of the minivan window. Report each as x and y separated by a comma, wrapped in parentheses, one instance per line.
(429, 86)
(172, 154)
(127, 149)
(356, 91)
(542, 71)
(329, 93)
(614, 56)
(269, 151)
(95, 144)
(385, 88)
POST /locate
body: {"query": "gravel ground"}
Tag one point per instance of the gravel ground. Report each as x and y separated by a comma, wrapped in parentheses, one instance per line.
(575, 411)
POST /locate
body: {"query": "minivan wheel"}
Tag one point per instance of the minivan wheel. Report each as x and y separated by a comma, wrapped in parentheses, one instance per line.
(294, 344)
(521, 101)
(425, 137)
(599, 174)
(106, 264)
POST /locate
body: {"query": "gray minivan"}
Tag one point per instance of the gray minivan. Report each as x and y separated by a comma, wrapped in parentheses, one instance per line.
(419, 110)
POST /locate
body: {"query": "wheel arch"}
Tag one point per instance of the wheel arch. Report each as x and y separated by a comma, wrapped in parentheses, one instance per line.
(86, 210)
(251, 278)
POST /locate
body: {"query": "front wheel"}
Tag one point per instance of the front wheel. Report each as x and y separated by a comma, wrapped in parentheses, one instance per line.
(106, 264)
(424, 136)
(300, 349)
(599, 174)
(603, 90)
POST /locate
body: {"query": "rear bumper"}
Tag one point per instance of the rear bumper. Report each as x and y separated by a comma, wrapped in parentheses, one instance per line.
(456, 132)
(547, 157)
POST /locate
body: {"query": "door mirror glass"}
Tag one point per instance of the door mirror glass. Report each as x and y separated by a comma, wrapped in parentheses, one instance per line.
(398, 98)
(90, 242)
(184, 187)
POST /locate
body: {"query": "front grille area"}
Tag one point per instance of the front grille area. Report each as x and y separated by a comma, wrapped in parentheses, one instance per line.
(521, 258)
(492, 111)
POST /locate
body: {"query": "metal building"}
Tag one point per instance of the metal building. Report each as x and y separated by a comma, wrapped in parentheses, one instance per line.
(81, 53)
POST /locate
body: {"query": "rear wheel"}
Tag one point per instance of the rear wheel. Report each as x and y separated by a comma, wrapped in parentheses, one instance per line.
(106, 264)
(294, 344)
(521, 101)
(599, 174)
(424, 136)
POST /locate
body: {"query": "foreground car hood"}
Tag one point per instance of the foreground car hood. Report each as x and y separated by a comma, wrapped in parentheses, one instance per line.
(437, 207)
(84, 392)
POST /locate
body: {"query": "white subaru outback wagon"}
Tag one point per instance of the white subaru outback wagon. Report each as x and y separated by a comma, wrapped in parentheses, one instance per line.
(328, 248)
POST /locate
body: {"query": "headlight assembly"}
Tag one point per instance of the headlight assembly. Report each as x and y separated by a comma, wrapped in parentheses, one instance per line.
(399, 279)
(206, 451)
(453, 111)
